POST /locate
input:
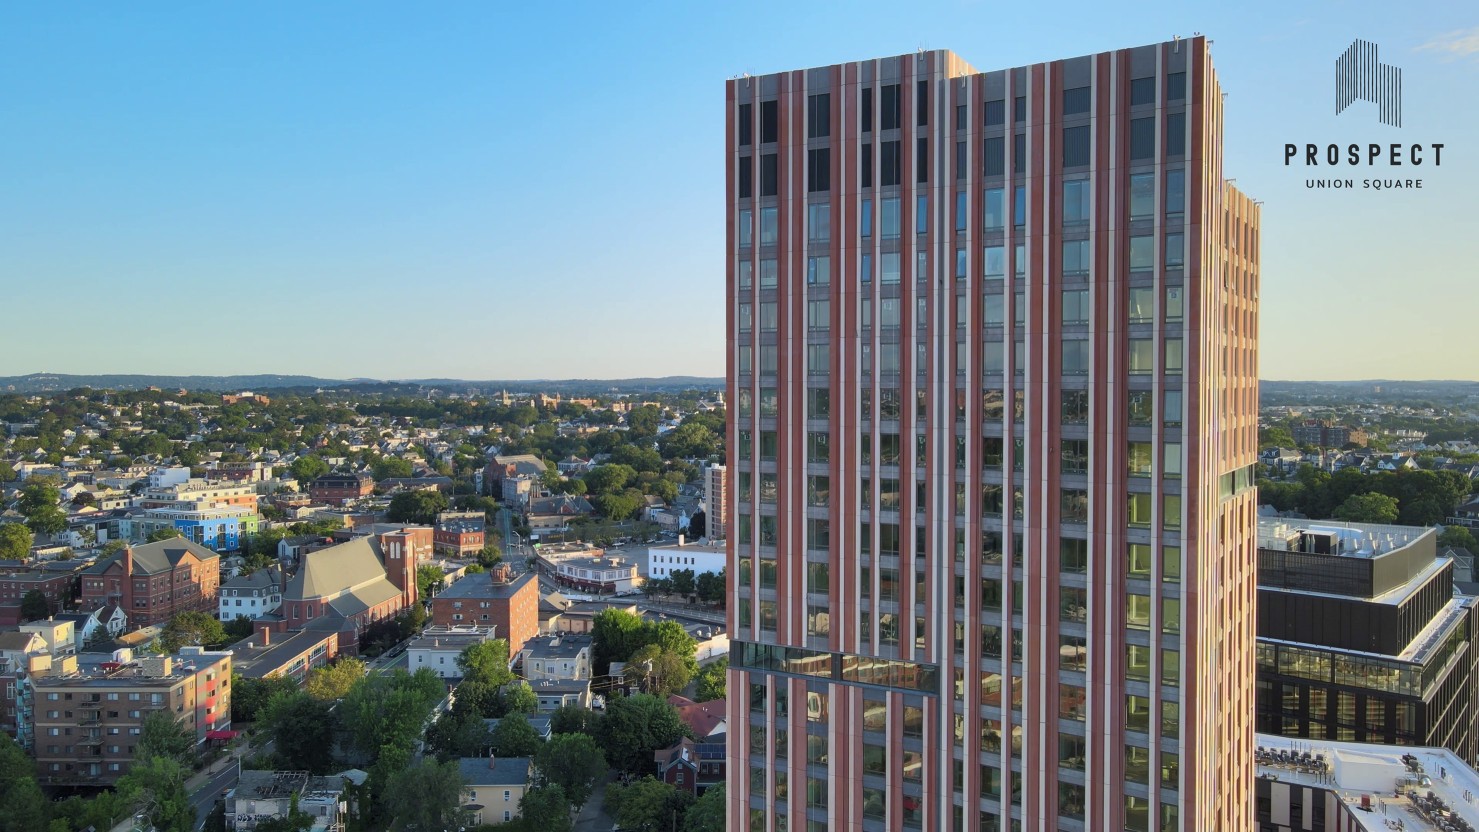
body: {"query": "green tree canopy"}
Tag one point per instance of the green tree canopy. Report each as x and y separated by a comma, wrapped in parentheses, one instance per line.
(15, 541)
(486, 662)
(572, 719)
(515, 737)
(35, 606)
(636, 726)
(163, 736)
(160, 783)
(574, 763)
(460, 732)
(307, 468)
(661, 672)
(334, 681)
(711, 680)
(302, 730)
(1369, 507)
(250, 696)
(1458, 536)
(707, 814)
(416, 507)
(39, 502)
(429, 579)
(388, 467)
(165, 533)
(615, 636)
(648, 805)
(545, 808)
(426, 796)
(194, 628)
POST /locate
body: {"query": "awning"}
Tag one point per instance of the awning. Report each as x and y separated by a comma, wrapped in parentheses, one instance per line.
(222, 735)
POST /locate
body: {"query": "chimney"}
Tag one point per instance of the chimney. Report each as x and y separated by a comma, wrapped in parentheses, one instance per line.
(266, 636)
(127, 600)
(492, 759)
(681, 540)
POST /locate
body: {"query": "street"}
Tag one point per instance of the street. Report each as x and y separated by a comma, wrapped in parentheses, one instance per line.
(204, 799)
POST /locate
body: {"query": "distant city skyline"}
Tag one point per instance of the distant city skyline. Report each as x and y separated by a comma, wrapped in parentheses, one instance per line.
(363, 191)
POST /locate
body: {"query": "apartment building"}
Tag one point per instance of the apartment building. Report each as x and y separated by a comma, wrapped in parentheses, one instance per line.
(992, 365)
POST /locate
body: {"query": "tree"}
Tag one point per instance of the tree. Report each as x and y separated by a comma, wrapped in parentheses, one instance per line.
(461, 732)
(648, 805)
(165, 533)
(711, 587)
(574, 763)
(416, 507)
(1370, 507)
(636, 726)
(570, 718)
(302, 730)
(15, 541)
(426, 796)
(332, 682)
(621, 505)
(658, 586)
(513, 698)
(608, 479)
(250, 696)
(239, 628)
(683, 582)
(391, 467)
(162, 736)
(1458, 537)
(707, 814)
(490, 555)
(698, 525)
(307, 468)
(390, 710)
(191, 627)
(39, 502)
(486, 662)
(428, 580)
(615, 635)
(513, 736)
(545, 808)
(35, 606)
(690, 440)
(7, 473)
(160, 784)
(711, 680)
(25, 805)
(662, 673)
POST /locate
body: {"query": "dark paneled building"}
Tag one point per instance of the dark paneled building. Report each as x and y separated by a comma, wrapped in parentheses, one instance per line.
(1361, 637)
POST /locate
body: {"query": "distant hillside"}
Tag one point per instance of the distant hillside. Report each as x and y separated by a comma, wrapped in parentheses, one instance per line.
(57, 382)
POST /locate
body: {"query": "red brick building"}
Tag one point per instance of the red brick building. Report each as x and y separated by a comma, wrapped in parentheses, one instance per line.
(153, 581)
(458, 539)
(492, 599)
(56, 584)
(335, 489)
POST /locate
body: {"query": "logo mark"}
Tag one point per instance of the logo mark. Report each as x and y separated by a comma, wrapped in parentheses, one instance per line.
(1361, 76)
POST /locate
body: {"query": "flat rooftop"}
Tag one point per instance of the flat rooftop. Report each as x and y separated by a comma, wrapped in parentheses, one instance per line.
(481, 585)
(1352, 770)
(1355, 540)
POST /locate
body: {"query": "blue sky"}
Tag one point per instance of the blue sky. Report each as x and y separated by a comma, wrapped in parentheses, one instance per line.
(466, 190)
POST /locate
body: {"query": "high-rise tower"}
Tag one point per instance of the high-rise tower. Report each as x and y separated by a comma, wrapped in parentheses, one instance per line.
(993, 419)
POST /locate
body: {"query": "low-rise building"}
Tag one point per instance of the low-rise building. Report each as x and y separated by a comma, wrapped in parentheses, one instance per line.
(292, 655)
(438, 647)
(55, 580)
(338, 489)
(459, 538)
(251, 596)
(697, 557)
(353, 584)
(266, 795)
(554, 694)
(559, 657)
(153, 581)
(497, 598)
(1327, 785)
(587, 568)
(492, 787)
(87, 726)
(541, 723)
(692, 767)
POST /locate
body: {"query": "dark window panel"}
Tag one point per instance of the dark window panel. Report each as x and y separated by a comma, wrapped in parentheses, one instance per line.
(746, 124)
(1142, 138)
(819, 169)
(867, 110)
(1075, 146)
(819, 116)
(996, 112)
(1142, 91)
(867, 162)
(1019, 109)
(960, 116)
(1176, 86)
(1019, 153)
(746, 177)
(922, 103)
(888, 173)
(768, 181)
(889, 104)
(922, 159)
(769, 121)
(1176, 134)
(1075, 100)
(995, 156)
(960, 160)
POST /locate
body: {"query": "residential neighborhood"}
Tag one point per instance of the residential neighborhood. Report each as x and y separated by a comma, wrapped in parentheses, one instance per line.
(174, 564)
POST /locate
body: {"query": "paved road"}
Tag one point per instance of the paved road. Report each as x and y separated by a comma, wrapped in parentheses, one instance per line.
(204, 799)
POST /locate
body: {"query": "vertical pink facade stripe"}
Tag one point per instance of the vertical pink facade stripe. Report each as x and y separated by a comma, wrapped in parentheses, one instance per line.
(992, 737)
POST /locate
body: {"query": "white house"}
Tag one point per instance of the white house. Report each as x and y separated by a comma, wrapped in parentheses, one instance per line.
(251, 596)
(438, 647)
(662, 561)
